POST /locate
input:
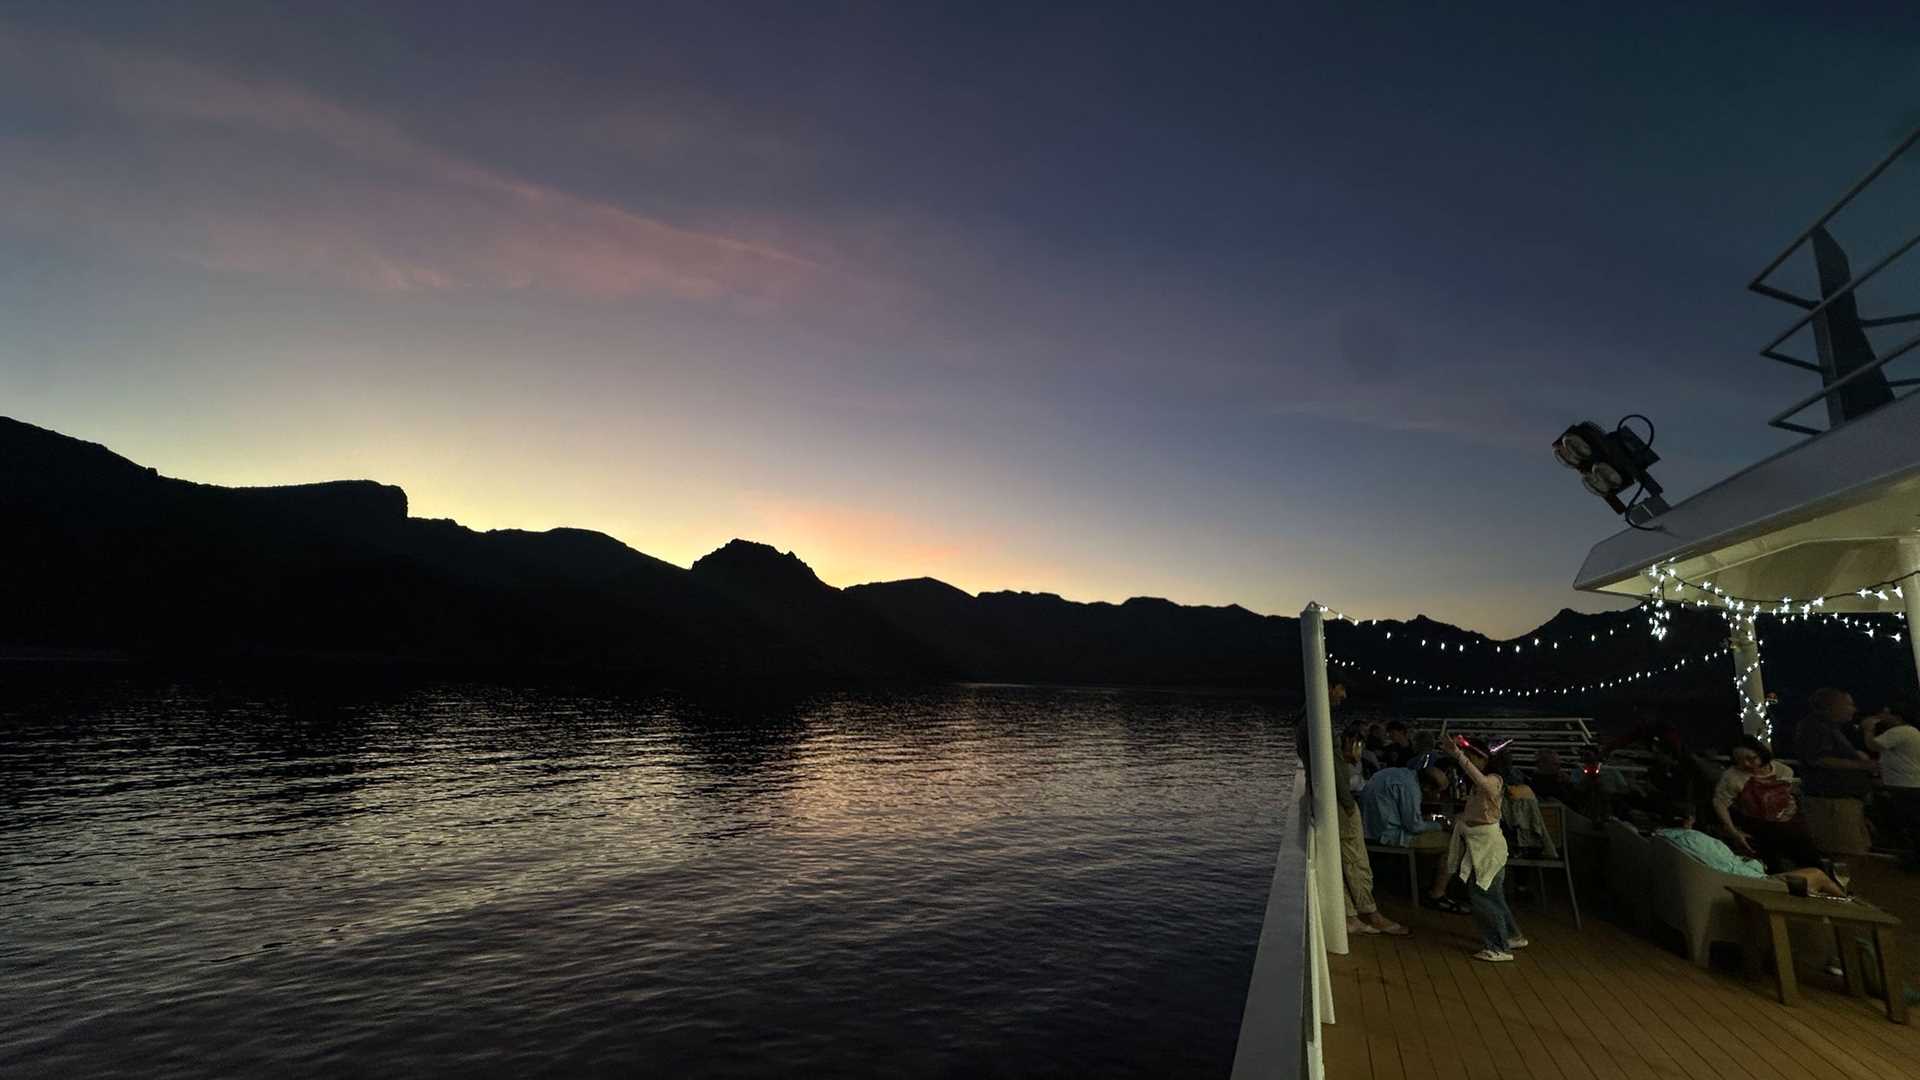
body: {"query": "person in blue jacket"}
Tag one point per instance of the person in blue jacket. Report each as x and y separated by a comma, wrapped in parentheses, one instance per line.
(1390, 808)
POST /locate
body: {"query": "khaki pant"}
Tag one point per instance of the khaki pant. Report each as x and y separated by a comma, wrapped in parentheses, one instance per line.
(1353, 864)
(1839, 826)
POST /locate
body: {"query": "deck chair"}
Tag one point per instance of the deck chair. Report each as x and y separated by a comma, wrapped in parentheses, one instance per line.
(1692, 898)
(1555, 816)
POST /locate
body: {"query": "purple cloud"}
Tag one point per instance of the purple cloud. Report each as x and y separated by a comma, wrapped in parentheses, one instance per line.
(252, 177)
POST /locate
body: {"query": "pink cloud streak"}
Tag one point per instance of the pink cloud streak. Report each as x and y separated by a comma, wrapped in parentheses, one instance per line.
(213, 185)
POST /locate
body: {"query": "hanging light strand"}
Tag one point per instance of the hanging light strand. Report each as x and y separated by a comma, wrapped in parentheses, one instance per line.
(1526, 692)
(1477, 644)
(1885, 591)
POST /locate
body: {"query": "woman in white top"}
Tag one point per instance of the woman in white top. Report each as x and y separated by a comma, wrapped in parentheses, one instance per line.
(1897, 741)
(1755, 803)
(1478, 853)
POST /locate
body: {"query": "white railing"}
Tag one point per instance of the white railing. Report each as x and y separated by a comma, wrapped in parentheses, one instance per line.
(1566, 735)
(1289, 996)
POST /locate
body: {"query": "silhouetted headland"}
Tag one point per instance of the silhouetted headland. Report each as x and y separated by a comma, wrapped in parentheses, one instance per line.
(106, 557)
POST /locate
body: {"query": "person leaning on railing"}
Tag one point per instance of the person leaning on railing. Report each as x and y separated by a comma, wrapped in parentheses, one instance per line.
(1838, 776)
(1363, 913)
(1891, 734)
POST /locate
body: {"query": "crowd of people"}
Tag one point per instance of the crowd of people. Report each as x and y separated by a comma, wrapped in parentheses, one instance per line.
(1771, 819)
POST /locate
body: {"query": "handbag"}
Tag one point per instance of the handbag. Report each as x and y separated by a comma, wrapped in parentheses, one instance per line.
(1766, 799)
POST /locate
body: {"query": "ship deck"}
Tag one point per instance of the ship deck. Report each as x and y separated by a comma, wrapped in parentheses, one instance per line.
(1602, 1003)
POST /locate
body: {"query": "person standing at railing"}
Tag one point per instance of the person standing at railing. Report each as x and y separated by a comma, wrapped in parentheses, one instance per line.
(1363, 914)
(1478, 852)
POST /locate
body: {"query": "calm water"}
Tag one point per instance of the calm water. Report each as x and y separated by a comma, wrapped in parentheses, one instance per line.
(204, 879)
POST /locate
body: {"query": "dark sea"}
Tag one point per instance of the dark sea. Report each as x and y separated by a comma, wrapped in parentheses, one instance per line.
(211, 878)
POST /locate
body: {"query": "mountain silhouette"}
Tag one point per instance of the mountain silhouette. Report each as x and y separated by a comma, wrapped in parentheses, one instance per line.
(1040, 637)
(825, 628)
(98, 553)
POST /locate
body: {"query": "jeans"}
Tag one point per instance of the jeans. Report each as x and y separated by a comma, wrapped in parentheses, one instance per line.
(1491, 915)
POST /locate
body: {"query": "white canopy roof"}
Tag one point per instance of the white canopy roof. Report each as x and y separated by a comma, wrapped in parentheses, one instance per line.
(1830, 515)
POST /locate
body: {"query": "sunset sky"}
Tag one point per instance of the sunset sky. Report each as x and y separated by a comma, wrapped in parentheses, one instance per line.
(1234, 306)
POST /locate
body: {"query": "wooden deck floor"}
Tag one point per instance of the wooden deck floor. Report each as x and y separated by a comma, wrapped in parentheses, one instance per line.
(1601, 1003)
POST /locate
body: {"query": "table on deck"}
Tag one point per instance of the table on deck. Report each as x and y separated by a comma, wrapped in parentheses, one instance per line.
(1767, 912)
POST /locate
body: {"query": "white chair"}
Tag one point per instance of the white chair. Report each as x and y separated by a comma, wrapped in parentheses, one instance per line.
(1691, 897)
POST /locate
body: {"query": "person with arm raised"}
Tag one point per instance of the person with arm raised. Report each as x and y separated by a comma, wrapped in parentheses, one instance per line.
(1478, 852)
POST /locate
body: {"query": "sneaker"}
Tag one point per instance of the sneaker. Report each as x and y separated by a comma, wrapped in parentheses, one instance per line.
(1493, 957)
(1517, 943)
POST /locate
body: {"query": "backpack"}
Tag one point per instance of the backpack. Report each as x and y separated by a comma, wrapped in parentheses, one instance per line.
(1766, 799)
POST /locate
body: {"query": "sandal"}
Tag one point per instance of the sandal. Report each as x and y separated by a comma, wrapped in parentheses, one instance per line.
(1447, 904)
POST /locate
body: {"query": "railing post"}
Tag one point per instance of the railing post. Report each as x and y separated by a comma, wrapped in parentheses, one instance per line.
(1319, 1004)
(1745, 646)
(1325, 850)
(1910, 588)
(1321, 979)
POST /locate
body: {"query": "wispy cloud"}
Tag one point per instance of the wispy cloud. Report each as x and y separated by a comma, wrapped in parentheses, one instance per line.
(186, 163)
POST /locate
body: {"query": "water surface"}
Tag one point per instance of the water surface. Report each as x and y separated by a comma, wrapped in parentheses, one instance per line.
(456, 879)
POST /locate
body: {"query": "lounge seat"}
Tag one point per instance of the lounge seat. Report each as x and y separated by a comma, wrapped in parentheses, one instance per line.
(1627, 857)
(1691, 897)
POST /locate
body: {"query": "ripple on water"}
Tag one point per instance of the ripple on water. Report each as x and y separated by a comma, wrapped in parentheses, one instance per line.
(448, 879)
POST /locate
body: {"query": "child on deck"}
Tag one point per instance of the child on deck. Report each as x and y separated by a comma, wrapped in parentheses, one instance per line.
(1478, 853)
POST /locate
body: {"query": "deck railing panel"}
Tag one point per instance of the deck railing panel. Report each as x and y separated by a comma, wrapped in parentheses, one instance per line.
(1289, 995)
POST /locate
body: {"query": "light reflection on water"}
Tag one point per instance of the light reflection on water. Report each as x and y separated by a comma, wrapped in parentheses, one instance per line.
(448, 879)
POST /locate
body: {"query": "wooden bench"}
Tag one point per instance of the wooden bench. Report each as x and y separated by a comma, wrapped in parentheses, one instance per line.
(1767, 913)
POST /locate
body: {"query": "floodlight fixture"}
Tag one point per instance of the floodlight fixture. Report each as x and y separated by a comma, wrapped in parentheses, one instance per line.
(1610, 462)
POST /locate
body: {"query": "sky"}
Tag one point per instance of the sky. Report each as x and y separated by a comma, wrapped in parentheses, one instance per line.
(1259, 305)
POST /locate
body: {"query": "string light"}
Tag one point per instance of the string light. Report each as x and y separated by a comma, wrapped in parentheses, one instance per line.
(1740, 613)
(1787, 608)
(1527, 692)
(1475, 641)
(1879, 590)
(1667, 588)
